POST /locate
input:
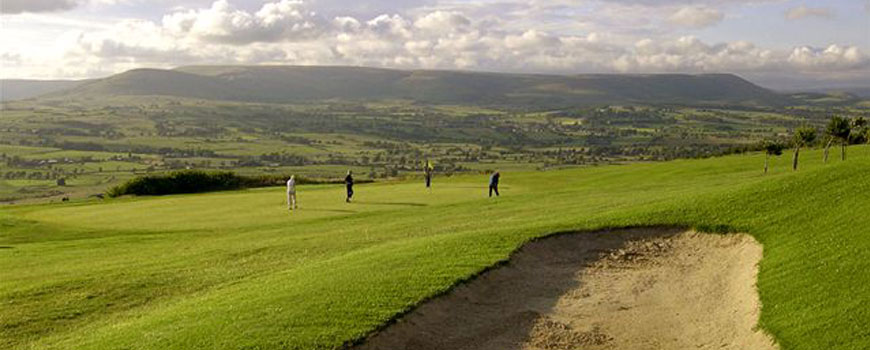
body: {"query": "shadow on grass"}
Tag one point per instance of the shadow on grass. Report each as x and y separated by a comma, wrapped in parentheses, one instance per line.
(344, 211)
(401, 204)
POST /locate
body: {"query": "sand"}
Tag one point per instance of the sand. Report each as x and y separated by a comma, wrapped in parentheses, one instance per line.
(626, 289)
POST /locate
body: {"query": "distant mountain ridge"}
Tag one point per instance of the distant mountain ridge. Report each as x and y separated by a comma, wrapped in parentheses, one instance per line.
(290, 84)
(18, 89)
(855, 91)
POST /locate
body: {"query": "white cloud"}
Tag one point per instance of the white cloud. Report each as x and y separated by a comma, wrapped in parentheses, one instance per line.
(275, 21)
(393, 26)
(7, 59)
(44, 21)
(531, 40)
(347, 24)
(832, 57)
(803, 11)
(680, 2)
(689, 54)
(366, 8)
(19, 6)
(442, 20)
(290, 32)
(696, 17)
(11, 7)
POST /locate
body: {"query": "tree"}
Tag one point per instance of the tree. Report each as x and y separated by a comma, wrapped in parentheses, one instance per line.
(860, 131)
(839, 128)
(772, 148)
(803, 136)
(830, 141)
(834, 130)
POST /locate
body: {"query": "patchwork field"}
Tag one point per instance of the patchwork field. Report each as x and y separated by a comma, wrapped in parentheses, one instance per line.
(94, 144)
(235, 270)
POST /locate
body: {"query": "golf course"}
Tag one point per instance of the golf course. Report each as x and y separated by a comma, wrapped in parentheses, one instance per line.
(236, 270)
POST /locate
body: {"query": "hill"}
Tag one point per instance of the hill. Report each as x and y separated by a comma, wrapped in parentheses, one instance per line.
(235, 270)
(833, 98)
(95, 142)
(858, 91)
(289, 84)
(18, 89)
(147, 82)
(853, 91)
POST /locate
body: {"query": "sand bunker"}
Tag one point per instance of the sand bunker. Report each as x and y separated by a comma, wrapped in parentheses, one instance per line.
(626, 289)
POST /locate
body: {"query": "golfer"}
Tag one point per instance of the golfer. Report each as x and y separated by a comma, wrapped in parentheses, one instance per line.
(427, 172)
(291, 193)
(493, 183)
(348, 181)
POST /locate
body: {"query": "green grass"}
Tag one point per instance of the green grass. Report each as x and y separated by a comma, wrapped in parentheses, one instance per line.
(234, 270)
(169, 133)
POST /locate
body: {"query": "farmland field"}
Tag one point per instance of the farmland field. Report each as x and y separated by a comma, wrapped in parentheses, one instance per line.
(93, 144)
(235, 270)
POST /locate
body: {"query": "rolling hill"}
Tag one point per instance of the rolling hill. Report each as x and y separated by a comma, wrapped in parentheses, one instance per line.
(18, 89)
(288, 84)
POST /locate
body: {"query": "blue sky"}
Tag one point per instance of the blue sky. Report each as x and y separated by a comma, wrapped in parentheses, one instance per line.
(779, 43)
(766, 25)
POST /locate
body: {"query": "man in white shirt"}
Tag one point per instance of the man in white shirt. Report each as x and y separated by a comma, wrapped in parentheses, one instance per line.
(291, 193)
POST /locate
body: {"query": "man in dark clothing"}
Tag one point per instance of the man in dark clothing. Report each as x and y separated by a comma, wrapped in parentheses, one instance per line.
(493, 183)
(348, 181)
(427, 171)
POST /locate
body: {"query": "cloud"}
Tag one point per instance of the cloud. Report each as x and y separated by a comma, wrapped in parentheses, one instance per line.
(366, 8)
(291, 32)
(12, 7)
(832, 57)
(803, 11)
(696, 17)
(683, 2)
(19, 6)
(441, 20)
(221, 23)
(8, 58)
(690, 54)
(389, 26)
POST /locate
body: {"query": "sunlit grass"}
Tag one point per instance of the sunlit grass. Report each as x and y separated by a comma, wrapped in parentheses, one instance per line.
(237, 270)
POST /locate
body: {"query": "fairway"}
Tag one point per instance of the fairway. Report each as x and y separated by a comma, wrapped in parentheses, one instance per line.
(236, 270)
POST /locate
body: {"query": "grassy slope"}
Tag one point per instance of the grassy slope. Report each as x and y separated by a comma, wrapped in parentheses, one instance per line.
(17, 89)
(234, 270)
(306, 83)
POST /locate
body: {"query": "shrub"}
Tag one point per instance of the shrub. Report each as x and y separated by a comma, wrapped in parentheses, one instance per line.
(197, 181)
(190, 181)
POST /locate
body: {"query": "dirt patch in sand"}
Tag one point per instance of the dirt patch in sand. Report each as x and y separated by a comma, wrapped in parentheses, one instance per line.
(622, 289)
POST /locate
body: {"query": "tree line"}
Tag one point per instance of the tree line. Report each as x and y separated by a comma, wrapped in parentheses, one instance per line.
(843, 130)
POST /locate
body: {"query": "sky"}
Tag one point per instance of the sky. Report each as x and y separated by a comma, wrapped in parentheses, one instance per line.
(777, 43)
